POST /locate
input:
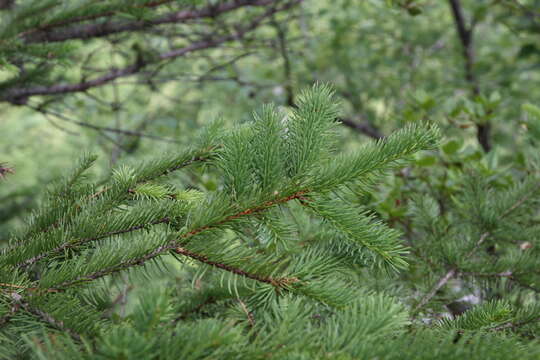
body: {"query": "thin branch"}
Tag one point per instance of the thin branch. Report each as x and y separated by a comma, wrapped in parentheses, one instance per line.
(277, 282)
(287, 69)
(450, 274)
(165, 172)
(363, 128)
(442, 281)
(99, 128)
(504, 274)
(12, 312)
(249, 314)
(465, 34)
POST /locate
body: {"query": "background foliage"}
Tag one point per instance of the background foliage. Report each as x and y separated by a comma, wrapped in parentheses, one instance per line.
(130, 82)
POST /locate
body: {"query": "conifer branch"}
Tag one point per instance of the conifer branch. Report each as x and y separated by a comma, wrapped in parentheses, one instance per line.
(249, 314)
(88, 31)
(514, 325)
(44, 316)
(17, 303)
(20, 95)
(276, 282)
(201, 156)
(250, 211)
(454, 270)
(71, 245)
(49, 26)
(174, 244)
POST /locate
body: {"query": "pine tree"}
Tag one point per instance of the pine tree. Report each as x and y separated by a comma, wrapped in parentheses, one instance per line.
(235, 273)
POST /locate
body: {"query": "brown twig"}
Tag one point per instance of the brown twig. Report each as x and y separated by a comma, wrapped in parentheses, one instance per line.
(364, 128)
(278, 282)
(4, 170)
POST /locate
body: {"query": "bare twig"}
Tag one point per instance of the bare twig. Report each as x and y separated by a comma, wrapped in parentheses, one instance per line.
(364, 128)
(99, 128)
(442, 281)
(4, 170)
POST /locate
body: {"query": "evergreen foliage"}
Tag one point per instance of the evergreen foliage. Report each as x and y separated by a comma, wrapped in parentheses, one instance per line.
(279, 235)
(229, 274)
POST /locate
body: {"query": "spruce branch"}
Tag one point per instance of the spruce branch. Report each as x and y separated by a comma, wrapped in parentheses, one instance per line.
(78, 19)
(454, 269)
(75, 244)
(513, 325)
(197, 157)
(87, 31)
(20, 95)
(193, 157)
(161, 250)
(44, 316)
